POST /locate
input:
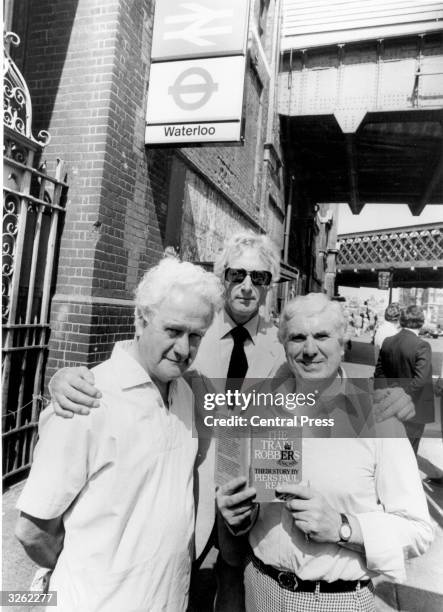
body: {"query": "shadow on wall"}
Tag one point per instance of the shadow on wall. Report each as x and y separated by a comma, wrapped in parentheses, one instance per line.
(159, 164)
(33, 51)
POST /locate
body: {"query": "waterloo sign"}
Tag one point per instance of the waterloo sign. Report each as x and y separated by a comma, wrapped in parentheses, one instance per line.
(197, 72)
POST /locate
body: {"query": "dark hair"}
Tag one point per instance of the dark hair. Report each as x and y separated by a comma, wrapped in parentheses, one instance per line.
(392, 312)
(412, 317)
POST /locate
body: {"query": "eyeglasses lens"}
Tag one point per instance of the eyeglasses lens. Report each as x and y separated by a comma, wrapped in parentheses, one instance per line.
(238, 275)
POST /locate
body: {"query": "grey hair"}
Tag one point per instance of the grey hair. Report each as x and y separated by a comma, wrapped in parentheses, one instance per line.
(247, 239)
(171, 274)
(310, 305)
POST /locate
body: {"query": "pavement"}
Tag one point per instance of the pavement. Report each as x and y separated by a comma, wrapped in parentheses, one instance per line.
(421, 592)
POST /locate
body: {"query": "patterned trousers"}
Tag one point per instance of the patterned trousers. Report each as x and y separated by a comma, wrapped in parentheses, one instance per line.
(264, 594)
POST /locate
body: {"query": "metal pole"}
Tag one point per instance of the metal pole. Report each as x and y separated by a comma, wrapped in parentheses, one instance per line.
(391, 279)
(288, 221)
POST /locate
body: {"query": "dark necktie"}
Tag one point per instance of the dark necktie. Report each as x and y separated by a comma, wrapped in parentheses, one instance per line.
(238, 364)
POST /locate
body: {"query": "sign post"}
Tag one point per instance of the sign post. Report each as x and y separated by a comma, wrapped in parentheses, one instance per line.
(197, 75)
(384, 280)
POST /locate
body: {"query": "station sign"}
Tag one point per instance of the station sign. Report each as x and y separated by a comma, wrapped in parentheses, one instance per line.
(203, 28)
(196, 90)
(197, 75)
(227, 131)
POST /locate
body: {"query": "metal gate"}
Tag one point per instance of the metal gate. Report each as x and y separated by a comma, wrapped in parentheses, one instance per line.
(33, 207)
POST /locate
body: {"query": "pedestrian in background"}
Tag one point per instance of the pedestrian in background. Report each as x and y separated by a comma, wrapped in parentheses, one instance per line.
(405, 360)
(389, 327)
(438, 389)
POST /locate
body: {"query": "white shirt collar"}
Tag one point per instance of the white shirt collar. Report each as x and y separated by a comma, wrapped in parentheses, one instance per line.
(414, 331)
(335, 386)
(227, 325)
(130, 372)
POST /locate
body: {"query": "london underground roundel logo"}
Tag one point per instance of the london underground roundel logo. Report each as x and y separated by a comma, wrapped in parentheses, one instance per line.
(192, 88)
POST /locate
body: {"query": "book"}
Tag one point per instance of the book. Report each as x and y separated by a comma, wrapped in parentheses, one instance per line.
(266, 459)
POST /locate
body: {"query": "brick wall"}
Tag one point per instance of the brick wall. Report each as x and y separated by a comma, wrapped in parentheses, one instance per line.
(240, 171)
(87, 63)
(233, 169)
(87, 328)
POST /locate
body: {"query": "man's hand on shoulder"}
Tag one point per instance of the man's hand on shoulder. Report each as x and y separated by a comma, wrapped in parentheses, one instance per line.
(72, 391)
(393, 402)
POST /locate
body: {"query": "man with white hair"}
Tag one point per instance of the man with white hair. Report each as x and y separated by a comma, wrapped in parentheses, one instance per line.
(361, 507)
(241, 342)
(109, 501)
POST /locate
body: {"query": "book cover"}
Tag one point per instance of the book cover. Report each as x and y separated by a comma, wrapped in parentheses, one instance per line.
(275, 458)
(272, 457)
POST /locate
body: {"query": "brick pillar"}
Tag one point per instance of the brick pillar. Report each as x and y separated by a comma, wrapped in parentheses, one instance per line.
(87, 67)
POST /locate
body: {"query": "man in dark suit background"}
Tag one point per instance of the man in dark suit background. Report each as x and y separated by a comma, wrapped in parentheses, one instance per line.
(405, 360)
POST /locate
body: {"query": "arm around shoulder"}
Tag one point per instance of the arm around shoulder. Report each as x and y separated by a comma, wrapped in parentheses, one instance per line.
(73, 392)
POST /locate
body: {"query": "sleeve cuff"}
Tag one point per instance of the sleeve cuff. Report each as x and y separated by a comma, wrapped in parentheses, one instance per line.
(383, 551)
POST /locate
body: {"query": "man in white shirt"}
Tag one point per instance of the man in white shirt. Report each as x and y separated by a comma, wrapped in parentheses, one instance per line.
(109, 501)
(389, 327)
(361, 508)
(241, 342)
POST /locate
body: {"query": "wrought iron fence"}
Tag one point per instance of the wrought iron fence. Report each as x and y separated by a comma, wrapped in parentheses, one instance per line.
(33, 205)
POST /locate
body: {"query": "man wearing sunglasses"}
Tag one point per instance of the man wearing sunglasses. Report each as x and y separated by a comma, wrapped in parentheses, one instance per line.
(240, 343)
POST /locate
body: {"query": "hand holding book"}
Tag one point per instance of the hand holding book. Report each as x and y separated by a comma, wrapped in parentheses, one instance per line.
(312, 514)
(236, 503)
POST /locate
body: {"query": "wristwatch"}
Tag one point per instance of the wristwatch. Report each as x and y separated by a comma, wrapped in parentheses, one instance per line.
(345, 530)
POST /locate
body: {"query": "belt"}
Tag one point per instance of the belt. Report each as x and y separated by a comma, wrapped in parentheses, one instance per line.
(292, 582)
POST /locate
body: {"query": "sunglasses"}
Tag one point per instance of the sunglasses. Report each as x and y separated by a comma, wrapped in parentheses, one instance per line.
(259, 278)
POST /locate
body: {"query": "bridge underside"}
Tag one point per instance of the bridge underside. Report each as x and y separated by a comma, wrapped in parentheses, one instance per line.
(362, 122)
(393, 157)
(420, 277)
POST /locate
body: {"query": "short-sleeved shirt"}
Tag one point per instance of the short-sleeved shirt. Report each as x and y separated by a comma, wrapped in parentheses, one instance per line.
(122, 477)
